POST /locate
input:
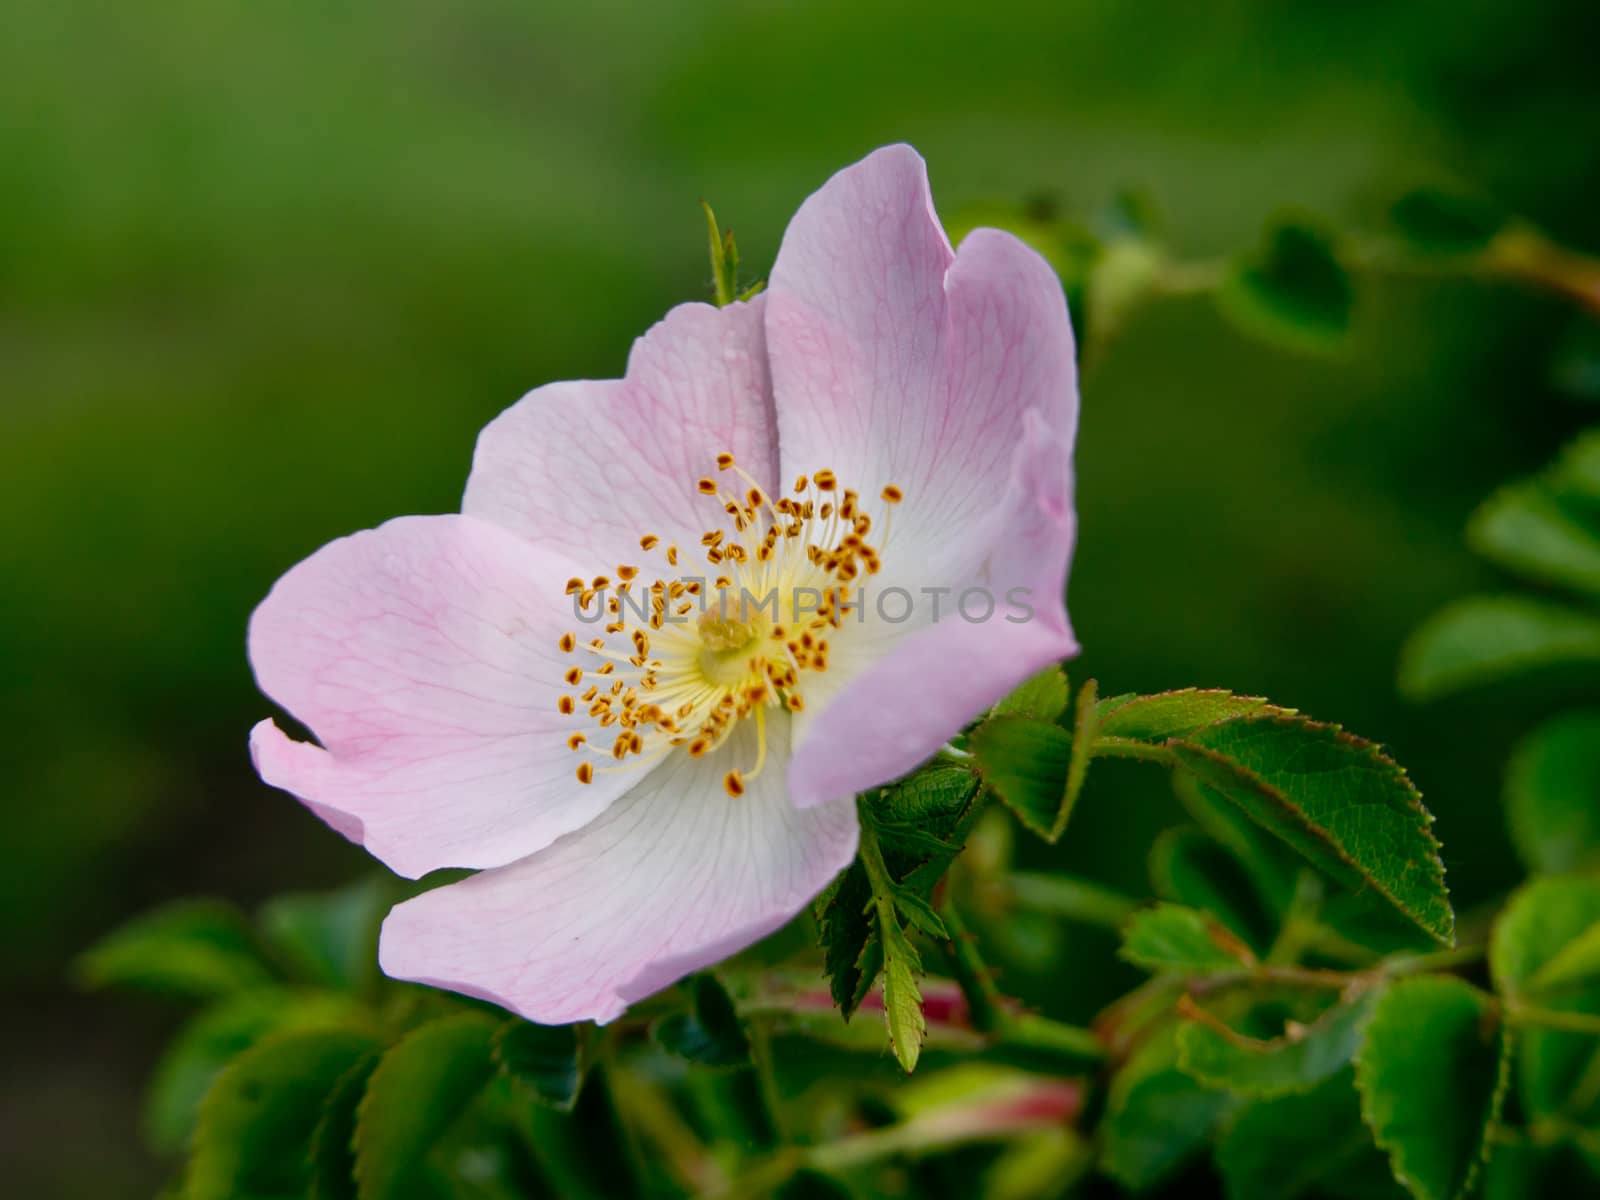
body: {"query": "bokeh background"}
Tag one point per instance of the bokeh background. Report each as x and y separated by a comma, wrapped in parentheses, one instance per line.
(266, 269)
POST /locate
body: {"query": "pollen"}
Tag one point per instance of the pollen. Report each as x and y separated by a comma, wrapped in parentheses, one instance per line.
(688, 660)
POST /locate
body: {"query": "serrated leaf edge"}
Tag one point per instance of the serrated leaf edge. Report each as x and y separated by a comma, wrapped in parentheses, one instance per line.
(1373, 751)
(1396, 1151)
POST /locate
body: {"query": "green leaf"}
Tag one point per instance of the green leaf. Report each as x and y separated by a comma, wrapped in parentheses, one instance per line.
(333, 1160)
(1578, 962)
(1168, 937)
(1367, 920)
(937, 800)
(417, 1091)
(1435, 221)
(1546, 936)
(920, 825)
(1548, 926)
(1164, 715)
(1338, 800)
(254, 1135)
(329, 938)
(1190, 867)
(195, 1057)
(1156, 1117)
(1044, 696)
(1296, 1062)
(1024, 761)
(902, 998)
(1484, 639)
(1433, 1073)
(845, 927)
(1294, 292)
(1548, 528)
(1271, 870)
(710, 1034)
(199, 949)
(1552, 782)
(1084, 728)
(544, 1059)
(1300, 1144)
(724, 261)
(901, 964)
(919, 913)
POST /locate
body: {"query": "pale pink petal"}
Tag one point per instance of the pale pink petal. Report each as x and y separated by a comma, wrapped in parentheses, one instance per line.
(587, 468)
(897, 361)
(895, 711)
(673, 877)
(423, 655)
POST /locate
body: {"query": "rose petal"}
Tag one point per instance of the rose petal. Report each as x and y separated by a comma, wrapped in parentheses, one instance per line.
(893, 713)
(423, 656)
(897, 361)
(589, 467)
(673, 877)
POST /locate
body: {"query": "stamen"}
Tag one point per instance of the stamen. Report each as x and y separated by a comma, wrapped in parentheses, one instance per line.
(677, 683)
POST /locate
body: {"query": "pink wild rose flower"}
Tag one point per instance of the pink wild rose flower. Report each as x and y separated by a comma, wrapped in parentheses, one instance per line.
(638, 681)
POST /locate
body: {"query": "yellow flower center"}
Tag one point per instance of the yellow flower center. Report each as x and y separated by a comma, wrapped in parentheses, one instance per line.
(682, 660)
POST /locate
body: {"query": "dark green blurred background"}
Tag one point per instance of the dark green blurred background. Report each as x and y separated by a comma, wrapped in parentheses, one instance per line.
(266, 269)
